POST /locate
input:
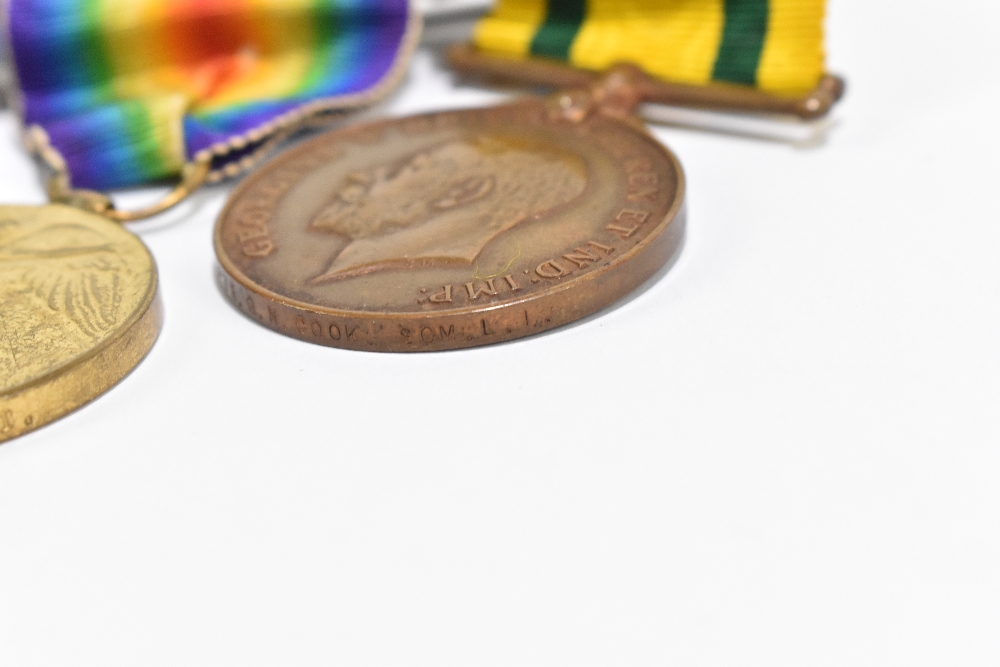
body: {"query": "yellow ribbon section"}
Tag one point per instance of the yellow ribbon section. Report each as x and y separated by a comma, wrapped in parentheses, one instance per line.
(776, 45)
(793, 58)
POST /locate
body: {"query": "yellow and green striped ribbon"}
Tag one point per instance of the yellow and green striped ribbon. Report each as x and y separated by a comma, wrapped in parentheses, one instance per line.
(776, 45)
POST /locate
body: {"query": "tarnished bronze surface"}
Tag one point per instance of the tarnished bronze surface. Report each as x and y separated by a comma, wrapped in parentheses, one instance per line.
(452, 229)
(78, 311)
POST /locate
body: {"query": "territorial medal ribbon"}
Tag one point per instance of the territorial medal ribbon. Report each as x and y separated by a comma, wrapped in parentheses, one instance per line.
(128, 91)
(775, 46)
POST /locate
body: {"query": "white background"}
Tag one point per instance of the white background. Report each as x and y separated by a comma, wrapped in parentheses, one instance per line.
(786, 451)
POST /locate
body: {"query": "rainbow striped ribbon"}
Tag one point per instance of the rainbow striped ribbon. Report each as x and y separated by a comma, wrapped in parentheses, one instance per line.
(129, 90)
(776, 45)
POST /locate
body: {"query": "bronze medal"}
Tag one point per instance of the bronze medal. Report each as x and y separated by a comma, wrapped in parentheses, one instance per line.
(78, 311)
(452, 229)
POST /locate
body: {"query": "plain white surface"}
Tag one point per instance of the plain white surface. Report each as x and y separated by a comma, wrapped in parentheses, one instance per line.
(785, 451)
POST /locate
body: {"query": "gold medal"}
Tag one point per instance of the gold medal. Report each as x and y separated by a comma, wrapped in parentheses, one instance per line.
(79, 310)
(79, 302)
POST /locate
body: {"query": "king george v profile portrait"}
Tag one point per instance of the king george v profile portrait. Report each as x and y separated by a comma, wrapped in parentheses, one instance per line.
(444, 204)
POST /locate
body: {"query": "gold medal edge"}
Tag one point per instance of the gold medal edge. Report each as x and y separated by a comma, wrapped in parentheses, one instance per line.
(32, 405)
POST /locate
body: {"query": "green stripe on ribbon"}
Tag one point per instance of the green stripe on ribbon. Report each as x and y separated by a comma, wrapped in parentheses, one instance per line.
(555, 37)
(742, 41)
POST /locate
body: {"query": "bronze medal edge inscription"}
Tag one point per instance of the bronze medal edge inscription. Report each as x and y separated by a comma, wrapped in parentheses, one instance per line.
(459, 327)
